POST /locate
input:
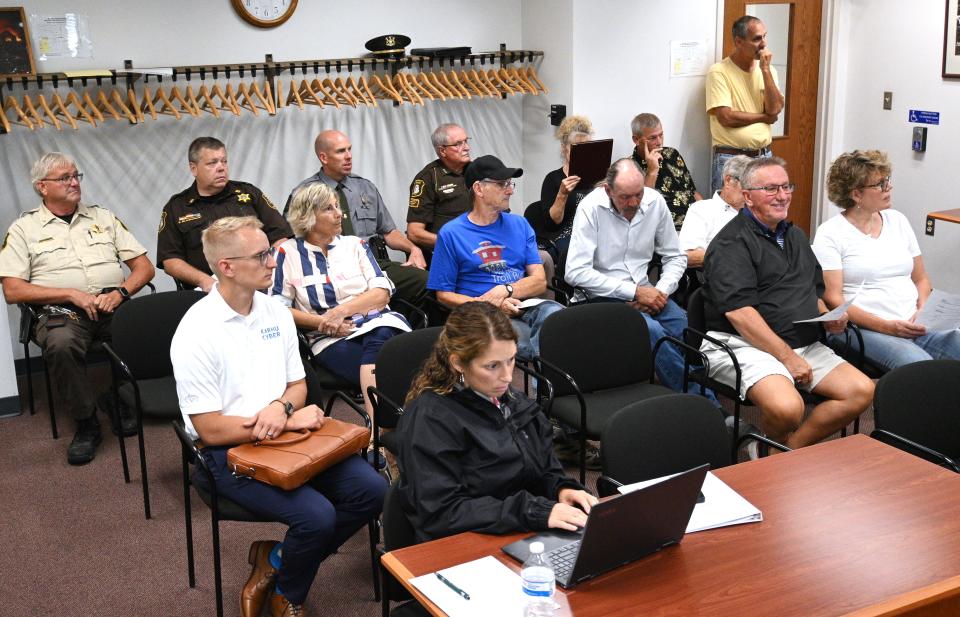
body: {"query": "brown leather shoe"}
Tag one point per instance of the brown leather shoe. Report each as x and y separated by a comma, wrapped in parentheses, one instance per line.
(260, 583)
(281, 607)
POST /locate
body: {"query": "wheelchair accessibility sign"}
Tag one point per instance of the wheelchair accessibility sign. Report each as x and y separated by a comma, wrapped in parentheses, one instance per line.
(924, 117)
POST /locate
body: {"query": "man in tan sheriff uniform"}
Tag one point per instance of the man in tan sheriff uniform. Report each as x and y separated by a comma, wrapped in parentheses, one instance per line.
(213, 196)
(65, 258)
(438, 193)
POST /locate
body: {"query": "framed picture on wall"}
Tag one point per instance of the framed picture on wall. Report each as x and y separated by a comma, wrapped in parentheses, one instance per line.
(951, 40)
(16, 58)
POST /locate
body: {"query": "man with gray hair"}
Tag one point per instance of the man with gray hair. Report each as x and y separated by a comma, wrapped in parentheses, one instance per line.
(707, 217)
(663, 167)
(65, 258)
(743, 98)
(438, 193)
(617, 229)
(762, 286)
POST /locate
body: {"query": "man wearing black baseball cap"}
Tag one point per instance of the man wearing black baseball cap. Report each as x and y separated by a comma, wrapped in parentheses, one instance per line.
(490, 255)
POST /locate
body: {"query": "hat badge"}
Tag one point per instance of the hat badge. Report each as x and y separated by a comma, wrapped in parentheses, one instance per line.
(391, 41)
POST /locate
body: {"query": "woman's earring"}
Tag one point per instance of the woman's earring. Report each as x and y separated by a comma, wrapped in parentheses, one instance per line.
(461, 379)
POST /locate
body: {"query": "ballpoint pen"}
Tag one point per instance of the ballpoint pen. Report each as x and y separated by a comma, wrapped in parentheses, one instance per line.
(462, 593)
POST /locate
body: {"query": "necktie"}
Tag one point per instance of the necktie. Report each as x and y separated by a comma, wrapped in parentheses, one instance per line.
(347, 223)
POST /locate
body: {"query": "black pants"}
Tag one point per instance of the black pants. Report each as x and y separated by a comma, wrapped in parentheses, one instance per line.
(65, 342)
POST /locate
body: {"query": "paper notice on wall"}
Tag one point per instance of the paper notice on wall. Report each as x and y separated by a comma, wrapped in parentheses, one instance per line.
(689, 58)
(61, 36)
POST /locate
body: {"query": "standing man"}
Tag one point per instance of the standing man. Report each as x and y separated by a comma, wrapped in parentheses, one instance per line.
(761, 278)
(490, 255)
(617, 229)
(365, 215)
(743, 98)
(706, 218)
(65, 258)
(663, 167)
(212, 196)
(438, 193)
(239, 380)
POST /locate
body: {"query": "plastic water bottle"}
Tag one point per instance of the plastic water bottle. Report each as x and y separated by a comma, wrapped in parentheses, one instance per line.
(539, 581)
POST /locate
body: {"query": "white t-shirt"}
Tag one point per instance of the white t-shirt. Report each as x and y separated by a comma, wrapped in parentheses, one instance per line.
(704, 220)
(237, 364)
(882, 264)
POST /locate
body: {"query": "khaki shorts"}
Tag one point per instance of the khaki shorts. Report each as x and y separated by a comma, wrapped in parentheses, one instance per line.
(756, 364)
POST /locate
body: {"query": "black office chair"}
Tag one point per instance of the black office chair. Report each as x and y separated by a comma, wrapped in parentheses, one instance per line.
(598, 359)
(659, 436)
(139, 350)
(29, 316)
(915, 407)
(398, 363)
(397, 533)
(696, 367)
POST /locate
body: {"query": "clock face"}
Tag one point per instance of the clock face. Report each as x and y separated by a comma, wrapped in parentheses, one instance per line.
(265, 13)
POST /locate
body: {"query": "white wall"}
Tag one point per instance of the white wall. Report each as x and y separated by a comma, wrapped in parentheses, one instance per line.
(134, 169)
(890, 45)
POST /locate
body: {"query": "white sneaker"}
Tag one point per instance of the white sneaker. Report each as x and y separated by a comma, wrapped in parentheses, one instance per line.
(753, 450)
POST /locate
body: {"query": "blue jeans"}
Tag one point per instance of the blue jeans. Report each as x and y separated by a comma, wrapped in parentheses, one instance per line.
(321, 515)
(716, 170)
(527, 326)
(890, 352)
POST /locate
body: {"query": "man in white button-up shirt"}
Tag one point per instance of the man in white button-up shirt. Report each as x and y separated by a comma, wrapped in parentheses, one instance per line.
(616, 231)
(707, 217)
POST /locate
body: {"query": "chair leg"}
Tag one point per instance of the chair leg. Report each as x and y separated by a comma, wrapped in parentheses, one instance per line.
(736, 430)
(26, 357)
(53, 415)
(384, 596)
(374, 534)
(143, 466)
(115, 419)
(188, 522)
(217, 580)
(856, 425)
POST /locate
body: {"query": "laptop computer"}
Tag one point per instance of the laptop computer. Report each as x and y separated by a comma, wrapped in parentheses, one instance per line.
(619, 530)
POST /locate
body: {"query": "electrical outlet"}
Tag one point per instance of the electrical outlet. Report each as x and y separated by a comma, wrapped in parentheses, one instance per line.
(888, 100)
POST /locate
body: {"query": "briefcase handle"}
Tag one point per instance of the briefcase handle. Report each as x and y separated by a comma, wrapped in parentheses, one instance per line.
(286, 438)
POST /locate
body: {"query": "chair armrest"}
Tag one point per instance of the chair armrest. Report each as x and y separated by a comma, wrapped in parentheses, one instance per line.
(541, 379)
(191, 454)
(413, 308)
(764, 440)
(573, 384)
(883, 435)
(379, 400)
(149, 286)
(690, 350)
(693, 332)
(118, 363)
(607, 486)
(338, 394)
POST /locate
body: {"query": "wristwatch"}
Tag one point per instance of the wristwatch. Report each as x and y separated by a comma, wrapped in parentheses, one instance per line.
(509, 289)
(124, 293)
(287, 406)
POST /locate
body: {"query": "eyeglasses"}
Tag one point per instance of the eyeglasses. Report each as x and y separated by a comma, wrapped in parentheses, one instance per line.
(65, 179)
(504, 184)
(883, 185)
(772, 189)
(458, 145)
(263, 256)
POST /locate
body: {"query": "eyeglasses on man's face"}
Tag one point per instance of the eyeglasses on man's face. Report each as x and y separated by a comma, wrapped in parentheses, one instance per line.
(883, 185)
(67, 179)
(459, 145)
(263, 256)
(504, 184)
(772, 189)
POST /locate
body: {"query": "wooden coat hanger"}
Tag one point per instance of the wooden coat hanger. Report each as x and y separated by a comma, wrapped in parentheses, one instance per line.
(206, 101)
(42, 102)
(454, 85)
(192, 100)
(478, 78)
(91, 106)
(231, 98)
(409, 88)
(337, 92)
(365, 86)
(102, 104)
(321, 90)
(438, 80)
(293, 96)
(176, 96)
(531, 74)
(227, 103)
(354, 88)
(384, 88)
(133, 104)
(463, 78)
(31, 111)
(81, 113)
(3, 116)
(165, 106)
(309, 95)
(60, 109)
(423, 82)
(345, 91)
(121, 105)
(265, 103)
(245, 98)
(11, 103)
(494, 76)
(268, 95)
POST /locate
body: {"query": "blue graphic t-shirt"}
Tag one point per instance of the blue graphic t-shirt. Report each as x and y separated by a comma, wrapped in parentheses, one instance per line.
(470, 259)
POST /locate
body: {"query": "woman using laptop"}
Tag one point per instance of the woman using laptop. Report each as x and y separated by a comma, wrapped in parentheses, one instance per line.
(476, 454)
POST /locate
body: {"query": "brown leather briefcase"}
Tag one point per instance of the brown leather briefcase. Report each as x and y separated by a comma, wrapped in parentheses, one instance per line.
(296, 456)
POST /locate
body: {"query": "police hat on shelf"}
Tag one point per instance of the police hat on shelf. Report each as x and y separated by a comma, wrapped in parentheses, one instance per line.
(388, 44)
(489, 167)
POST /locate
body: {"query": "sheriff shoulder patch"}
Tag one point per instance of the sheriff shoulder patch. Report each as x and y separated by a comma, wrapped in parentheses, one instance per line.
(417, 188)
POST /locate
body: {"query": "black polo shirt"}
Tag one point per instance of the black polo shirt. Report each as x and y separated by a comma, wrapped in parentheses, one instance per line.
(187, 214)
(744, 266)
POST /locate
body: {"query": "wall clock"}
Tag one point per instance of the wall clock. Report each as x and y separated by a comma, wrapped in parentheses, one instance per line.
(265, 13)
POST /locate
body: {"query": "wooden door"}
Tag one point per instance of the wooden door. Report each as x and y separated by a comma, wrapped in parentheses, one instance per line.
(795, 132)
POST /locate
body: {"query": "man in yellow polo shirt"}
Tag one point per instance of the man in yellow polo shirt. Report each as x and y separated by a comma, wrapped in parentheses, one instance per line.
(743, 98)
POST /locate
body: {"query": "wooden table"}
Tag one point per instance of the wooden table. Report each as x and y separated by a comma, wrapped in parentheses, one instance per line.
(851, 526)
(951, 216)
